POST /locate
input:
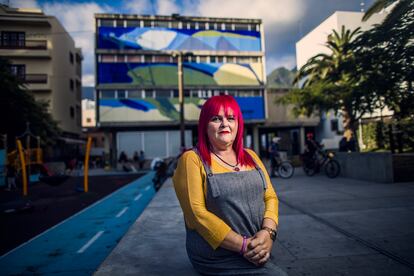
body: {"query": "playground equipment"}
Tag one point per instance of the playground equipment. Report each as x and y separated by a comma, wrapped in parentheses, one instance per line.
(29, 164)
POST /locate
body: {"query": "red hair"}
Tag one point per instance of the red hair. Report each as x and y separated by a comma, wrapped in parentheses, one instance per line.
(211, 108)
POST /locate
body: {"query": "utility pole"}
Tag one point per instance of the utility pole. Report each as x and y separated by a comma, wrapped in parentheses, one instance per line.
(179, 55)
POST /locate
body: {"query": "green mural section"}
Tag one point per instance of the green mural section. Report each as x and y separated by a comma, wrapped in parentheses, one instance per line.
(162, 75)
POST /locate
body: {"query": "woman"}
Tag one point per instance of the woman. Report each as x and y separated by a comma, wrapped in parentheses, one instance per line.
(229, 205)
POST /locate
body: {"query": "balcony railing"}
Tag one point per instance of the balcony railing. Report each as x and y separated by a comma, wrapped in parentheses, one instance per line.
(26, 44)
(34, 78)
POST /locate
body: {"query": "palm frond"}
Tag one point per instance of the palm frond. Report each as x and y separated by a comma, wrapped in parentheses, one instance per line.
(377, 7)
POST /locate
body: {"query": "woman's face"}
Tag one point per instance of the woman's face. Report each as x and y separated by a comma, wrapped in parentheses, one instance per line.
(222, 129)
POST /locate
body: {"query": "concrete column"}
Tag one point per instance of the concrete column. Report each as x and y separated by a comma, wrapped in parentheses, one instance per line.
(107, 147)
(256, 141)
(301, 140)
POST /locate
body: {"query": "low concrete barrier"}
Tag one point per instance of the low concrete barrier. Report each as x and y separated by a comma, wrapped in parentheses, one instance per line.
(382, 167)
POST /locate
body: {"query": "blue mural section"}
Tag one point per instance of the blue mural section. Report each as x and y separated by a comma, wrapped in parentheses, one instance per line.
(177, 39)
(164, 74)
(164, 109)
(251, 107)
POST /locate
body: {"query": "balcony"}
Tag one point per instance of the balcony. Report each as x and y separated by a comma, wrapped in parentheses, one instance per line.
(34, 78)
(27, 44)
(26, 48)
(36, 82)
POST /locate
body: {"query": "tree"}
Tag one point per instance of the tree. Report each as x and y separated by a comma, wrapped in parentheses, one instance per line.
(386, 56)
(378, 6)
(19, 107)
(330, 82)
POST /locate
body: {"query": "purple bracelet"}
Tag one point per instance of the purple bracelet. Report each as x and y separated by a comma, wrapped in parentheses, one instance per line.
(243, 248)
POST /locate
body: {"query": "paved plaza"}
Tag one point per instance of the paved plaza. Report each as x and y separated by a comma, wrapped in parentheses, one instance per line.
(327, 227)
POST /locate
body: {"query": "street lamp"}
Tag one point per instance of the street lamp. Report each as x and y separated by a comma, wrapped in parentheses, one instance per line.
(179, 55)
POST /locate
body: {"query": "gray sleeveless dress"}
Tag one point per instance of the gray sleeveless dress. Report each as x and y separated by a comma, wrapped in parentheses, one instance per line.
(236, 198)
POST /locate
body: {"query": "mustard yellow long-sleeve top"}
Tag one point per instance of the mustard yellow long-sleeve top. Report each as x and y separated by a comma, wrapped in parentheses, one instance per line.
(191, 188)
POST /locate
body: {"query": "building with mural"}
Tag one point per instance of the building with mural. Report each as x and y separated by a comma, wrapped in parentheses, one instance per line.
(137, 81)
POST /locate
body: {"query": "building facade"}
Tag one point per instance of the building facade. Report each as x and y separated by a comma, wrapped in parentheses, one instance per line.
(137, 77)
(330, 128)
(44, 56)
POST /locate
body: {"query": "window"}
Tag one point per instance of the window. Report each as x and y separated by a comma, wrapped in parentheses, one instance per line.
(121, 94)
(149, 94)
(134, 59)
(133, 23)
(162, 24)
(107, 58)
(71, 57)
(107, 94)
(241, 27)
(147, 23)
(134, 94)
(162, 59)
(15, 39)
(18, 70)
(107, 23)
(119, 23)
(174, 25)
(72, 112)
(71, 84)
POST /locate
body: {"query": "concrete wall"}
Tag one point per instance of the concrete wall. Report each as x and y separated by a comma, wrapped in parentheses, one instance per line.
(377, 167)
(63, 71)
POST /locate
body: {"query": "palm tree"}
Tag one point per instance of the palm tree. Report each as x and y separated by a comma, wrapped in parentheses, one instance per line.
(330, 77)
(378, 6)
(326, 66)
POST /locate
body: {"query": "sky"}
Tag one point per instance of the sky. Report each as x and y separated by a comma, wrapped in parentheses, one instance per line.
(285, 21)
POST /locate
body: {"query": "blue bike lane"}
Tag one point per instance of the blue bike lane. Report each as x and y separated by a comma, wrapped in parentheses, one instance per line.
(78, 245)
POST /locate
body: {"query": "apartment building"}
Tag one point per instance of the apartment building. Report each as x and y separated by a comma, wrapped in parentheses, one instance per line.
(44, 56)
(137, 58)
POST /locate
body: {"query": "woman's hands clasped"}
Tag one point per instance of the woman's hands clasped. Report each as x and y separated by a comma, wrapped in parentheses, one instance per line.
(258, 248)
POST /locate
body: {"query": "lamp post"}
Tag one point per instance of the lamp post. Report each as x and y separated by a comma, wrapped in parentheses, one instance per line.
(179, 55)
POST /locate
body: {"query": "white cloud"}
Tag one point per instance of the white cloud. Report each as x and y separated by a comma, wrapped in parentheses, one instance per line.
(278, 16)
(167, 7)
(136, 7)
(78, 20)
(287, 61)
(24, 4)
(271, 11)
(88, 80)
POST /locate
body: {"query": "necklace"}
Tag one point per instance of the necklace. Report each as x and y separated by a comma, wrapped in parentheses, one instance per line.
(235, 167)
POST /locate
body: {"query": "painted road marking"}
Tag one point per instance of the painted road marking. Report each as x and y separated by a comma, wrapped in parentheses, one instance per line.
(147, 188)
(137, 197)
(122, 212)
(90, 242)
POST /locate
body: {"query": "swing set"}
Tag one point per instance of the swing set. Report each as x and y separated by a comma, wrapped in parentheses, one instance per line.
(28, 163)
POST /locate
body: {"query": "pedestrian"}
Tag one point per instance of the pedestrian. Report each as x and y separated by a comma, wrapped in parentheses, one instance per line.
(274, 154)
(123, 158)
(11, 177)
(141, 159)
(135, 158)
(229, 204)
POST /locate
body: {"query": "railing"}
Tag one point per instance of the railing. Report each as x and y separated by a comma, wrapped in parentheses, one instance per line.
(34, 78)
(26, 44)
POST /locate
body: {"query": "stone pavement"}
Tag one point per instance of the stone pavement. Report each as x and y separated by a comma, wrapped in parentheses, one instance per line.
(327, 227)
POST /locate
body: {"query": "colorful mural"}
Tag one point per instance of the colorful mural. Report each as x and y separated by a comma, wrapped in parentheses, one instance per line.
(165, 109)
(177, 39)
(165, 74)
